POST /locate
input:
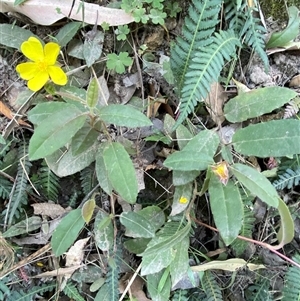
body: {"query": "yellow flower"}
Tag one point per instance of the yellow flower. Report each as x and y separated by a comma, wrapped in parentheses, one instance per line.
(221, 170)
(42, 65)
(183, 200)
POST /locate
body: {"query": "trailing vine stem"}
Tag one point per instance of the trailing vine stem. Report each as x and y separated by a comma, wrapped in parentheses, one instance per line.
(260, 243)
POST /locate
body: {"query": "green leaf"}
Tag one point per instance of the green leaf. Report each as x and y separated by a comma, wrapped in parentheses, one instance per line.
(179, 266)
(92, 48)
(287, 228)
(19, 2)
(118, 62)
(121, 172)
(256, 103)
(101, 170)
(182, 192)
(67, 32)
(280, 39)
(155, 262)
(88, 210)
(30, 224)
(123, 116)
(181, 177)
(227, 208)
(186, 161)
(43, 110)
(104, 231)
(66, 232)
(256, 183)
(13, 36)
(83, 139)
(92, 94)
(136, 245)
(70, 164)
(154, 215)
(274, 138)
(55, 131)
(136, 225)
(197, 153)
(183, 136)
(153, 281)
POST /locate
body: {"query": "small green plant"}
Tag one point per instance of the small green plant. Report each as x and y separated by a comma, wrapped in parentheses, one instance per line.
(118, 62)
(122, 31)
(145, 10)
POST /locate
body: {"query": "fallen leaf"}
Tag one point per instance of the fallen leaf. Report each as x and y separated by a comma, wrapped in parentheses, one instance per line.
(295, 81)
(5, 110)
(214, 103)
(48, 12)
(47, 209)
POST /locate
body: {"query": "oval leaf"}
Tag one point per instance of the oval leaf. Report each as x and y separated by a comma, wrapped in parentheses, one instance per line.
(70, 164)
(227, 208)
(256, 183)
(104, 231)
(286, 231)
(256, 103)
(92, 93)
(67, 32)
(123, 116)
(66, 232)
(136, 225)
(88, 210)
(55, 131)
(186, 161)
(275, 138)
(120, 171)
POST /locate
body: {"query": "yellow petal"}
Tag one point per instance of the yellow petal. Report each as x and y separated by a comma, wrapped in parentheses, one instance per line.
(57, 75)
(38, 81)
(51, 52)
(33, 49)
(27, 70)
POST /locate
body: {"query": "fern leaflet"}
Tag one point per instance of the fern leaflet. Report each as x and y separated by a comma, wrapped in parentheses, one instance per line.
(19, 196)
(49, 182)
(211, 287)
(28, 296)
(5, 187)
(291, 290)
(259, 291)
(239, 245)
(289, 179)
(198, 27)
(72, 292)
(205, 69)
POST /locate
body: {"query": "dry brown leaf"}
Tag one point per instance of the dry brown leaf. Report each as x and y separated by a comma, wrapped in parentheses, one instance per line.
(295, 81)
(47, 209)
(75, 254)
(5, 110)
(136, 288)
(59, 272)
(47, 12)
(214, 103)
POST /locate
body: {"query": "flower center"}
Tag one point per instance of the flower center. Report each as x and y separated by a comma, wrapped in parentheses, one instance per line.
(42, 65)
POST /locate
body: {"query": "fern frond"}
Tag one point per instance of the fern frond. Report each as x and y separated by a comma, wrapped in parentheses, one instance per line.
(292, 108)
(239, 245)
(19, 196)
(259, 291)
(254, 36)
(289, 179)
(49, 182)
(291, 290)
(180, 295)
(211, 287)
(72, 292)
(112, 279)
(88, 179)
(234, 15)
(198, 27)
(205, 69)
(5, 187)
(20, 295)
